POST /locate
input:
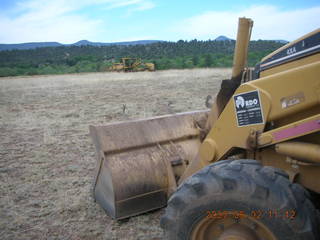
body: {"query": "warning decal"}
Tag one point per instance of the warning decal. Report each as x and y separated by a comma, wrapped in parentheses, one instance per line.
(248, 108)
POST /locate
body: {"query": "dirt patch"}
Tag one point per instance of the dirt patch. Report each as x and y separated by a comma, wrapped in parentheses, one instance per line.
(46, 156)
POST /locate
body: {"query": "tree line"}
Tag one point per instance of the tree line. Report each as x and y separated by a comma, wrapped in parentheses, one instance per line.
(165, 55)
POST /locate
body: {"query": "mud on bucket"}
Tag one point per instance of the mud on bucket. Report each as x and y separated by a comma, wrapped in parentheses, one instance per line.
(139, 162)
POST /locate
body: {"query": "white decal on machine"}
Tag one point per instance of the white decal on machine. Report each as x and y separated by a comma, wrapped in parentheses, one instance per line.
(248, 108)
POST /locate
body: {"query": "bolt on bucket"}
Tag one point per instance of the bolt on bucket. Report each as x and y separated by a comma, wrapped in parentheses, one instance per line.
(139, 162)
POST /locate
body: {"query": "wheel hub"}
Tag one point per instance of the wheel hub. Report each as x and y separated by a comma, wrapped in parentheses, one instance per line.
(238, 232)
(229, 228)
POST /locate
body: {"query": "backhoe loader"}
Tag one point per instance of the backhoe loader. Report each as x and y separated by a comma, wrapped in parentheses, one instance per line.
(132, 65)
(247, 169)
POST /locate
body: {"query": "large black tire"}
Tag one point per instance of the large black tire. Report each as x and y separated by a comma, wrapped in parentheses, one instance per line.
(242, 185)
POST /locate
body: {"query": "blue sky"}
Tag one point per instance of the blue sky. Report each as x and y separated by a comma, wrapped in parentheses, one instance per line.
(68, 21)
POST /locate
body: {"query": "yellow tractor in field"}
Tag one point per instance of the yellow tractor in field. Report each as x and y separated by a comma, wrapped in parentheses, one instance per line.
(247, 169)
(132, 65)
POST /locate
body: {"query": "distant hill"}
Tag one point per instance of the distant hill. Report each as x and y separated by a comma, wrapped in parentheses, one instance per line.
(88, 43)
(281, 41)
(33, 45)
(223, 38)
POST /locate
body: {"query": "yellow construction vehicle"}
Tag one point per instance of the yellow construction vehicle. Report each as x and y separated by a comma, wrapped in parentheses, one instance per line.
(247, 169)
(132, 65)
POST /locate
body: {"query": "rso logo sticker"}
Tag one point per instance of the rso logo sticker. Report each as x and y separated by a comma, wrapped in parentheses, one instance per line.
(241, 103)
(248, 108)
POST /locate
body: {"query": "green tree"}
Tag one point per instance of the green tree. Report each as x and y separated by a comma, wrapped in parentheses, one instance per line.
(208, 60)
(195, 60)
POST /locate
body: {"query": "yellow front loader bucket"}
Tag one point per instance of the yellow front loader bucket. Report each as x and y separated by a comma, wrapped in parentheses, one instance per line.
(139, 162)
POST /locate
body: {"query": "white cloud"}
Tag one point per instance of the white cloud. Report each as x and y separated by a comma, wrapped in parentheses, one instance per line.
(270, 22)
(117, 4)
(64, 29)
(144, 6)
(36, 20)
(137, 6)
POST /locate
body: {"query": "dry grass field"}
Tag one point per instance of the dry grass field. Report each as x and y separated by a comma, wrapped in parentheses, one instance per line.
(47, 159)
